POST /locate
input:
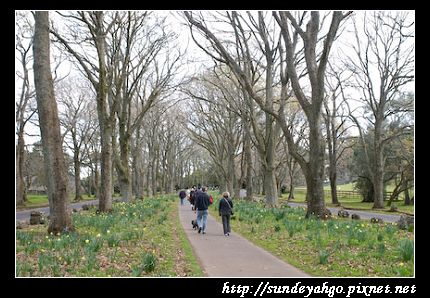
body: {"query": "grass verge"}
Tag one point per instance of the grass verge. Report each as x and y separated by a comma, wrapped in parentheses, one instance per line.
(135, 239)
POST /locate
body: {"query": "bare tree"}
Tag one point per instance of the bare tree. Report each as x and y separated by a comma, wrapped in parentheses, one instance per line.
(298, 127)
(316, 63)
(400, 165)
(34, 172)
(138, 75)
(215, 127)
(23, 110)
(383, 62)
(234, 111)
(173, 150)
(245, 69)
(91, 152)
(138, 154)
(93, 28)
(335, 120)
(55, 168)
(75, 98)
(235, 101)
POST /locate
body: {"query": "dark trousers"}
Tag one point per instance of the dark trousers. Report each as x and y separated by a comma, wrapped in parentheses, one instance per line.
(226, 223)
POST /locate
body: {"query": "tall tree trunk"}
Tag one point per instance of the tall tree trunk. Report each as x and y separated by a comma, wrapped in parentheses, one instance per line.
(270, 188)
(55, 166)
(368, 196)
(19, 188)
(170, 183)
(96, 181)
(107, 125)
(125, 186)
(406, 192)
(258, 178)
(105, 191)
(397, 190)
(248, 162)
(181, 174)
(378, 174)
(249, 186)
(21, 196)
(332, 152)
(138, 179)
(122, 162)
(378, 184)
(291, 170)
(137, 168)
(149, 171)
(77, 168)
(154, 169)
(229, 185)
(231, 173)
(315, 170)
(291, 191)
(333, 185)
(278, 185)
(123, 170)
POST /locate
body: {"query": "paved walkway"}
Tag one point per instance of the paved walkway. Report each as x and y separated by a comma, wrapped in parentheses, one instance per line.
(363, 214)
(25, 214)
(222, 256)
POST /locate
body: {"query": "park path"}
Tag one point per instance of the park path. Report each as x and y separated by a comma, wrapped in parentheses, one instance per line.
(25, 214)
(363, 214)
(233, 256)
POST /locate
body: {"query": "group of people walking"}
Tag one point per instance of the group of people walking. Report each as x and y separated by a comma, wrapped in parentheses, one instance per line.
(200, 201)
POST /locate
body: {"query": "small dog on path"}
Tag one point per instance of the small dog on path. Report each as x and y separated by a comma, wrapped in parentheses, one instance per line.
(194, 223)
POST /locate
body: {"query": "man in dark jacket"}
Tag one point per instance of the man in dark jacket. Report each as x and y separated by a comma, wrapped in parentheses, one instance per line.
(201, 204)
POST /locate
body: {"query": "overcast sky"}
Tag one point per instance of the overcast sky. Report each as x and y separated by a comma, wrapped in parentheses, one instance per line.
(196, 58)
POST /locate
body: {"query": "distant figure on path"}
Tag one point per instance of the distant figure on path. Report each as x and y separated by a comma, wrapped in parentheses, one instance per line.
(182, 195)
(225, 210)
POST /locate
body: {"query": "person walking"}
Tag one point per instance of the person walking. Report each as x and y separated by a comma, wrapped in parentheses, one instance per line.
(201, 204)
(191, 197)
(225, 210)
(182, 195)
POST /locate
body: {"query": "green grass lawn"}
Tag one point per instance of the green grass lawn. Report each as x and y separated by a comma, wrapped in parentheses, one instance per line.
(143, 238)
(350, 187)
(344, 187)
(350, 202)
(36, 201)
(333, 248)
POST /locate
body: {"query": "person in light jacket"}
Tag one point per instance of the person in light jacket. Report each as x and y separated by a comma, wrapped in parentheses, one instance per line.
(225, 210)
